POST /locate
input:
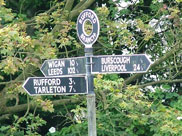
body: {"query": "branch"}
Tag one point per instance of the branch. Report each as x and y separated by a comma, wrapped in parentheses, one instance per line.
(25, 74)
(33, 19)
(79, 4)
(14, 3)
(69, 5)
(160, 82)
(23, 107)
(10, 82)
(4, 117)
(156, 63)
(77, 11)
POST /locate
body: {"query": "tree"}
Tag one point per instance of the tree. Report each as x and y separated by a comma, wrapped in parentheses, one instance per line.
(32, 31)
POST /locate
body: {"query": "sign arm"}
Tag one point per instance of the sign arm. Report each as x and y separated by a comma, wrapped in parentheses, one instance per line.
(156, 63)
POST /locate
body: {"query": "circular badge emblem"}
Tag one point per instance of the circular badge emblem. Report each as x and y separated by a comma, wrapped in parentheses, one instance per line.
(88, 16)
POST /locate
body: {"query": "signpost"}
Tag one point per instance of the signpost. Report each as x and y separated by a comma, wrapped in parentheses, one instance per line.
(138, 63)
(64, 67)
(63, 76)
(56, 85)
(88, 40)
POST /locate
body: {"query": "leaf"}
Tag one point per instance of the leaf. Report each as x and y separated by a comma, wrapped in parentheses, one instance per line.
(1, 77)
(15, 117)
(178, 1)
(4, 128)
(2, 3)
(13, 33)
(166, 87)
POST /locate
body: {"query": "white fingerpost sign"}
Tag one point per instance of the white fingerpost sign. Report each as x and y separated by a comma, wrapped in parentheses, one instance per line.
(88, 39)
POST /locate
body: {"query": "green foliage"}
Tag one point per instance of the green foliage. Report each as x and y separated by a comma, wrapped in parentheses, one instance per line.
(146, 29)
(113, 34)
(23, 126)
(6, 16)
(2, 2)
(178, 1)
(46, 105)
(128, 112)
